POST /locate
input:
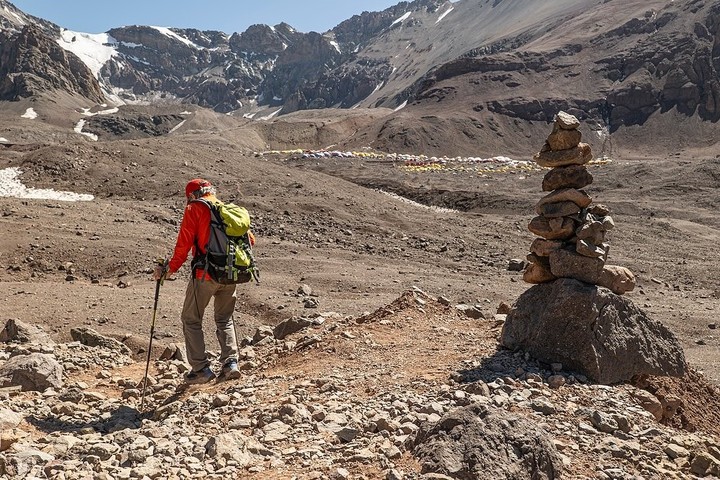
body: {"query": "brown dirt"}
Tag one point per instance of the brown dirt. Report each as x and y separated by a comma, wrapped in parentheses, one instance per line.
(324, 222)
(700, 410)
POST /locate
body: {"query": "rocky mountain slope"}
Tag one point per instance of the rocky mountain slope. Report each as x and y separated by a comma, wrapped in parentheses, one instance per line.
(621, 66)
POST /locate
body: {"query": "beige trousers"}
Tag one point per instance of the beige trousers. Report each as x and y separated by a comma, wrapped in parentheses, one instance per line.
(197, 298)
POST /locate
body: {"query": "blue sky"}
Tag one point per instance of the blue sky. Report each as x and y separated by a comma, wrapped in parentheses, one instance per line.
(96, 16)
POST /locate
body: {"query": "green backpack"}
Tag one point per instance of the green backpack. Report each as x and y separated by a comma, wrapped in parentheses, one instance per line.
(228, 257)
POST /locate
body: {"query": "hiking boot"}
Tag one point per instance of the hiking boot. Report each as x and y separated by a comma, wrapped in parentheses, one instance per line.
(203, 376)
(230, 370)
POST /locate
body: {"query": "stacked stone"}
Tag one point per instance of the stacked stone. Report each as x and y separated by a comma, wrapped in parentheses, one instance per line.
(572, 230)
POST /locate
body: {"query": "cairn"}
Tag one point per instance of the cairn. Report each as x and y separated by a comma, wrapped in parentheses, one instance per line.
(571, 228)
(569, 318)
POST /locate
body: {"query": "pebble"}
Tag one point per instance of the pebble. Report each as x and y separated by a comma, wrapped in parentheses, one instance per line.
(318, 428)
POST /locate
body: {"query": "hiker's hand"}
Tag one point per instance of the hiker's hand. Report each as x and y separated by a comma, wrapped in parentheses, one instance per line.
(160, 272)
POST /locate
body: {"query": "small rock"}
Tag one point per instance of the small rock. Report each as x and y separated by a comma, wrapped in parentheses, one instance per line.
(516, 265)
(556, 381)
(676, 451)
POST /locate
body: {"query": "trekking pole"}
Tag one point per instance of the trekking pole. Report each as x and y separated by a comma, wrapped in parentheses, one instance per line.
(163, 264)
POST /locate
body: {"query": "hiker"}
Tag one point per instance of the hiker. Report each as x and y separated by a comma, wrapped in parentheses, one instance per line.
(194, 234)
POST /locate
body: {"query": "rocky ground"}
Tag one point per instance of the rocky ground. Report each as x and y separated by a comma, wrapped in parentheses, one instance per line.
(345, 396)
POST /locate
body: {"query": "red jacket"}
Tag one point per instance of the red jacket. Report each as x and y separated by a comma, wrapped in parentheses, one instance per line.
(194, 233)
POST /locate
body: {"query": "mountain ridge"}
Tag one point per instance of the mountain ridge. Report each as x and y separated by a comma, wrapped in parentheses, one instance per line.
(613, 64)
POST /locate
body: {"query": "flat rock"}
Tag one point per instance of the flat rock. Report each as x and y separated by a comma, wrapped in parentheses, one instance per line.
(36, 371)
(599, 210)
(587, 249)
(578, 197)
(562, 139)
(536, 273)
(557, 210)
(618, 279)
(91, 338)
(552, 228)
(579, 155)
(567, 264)
(543, 248)
(566, 121)
(592, 331)
(572, 176)
(290, 326)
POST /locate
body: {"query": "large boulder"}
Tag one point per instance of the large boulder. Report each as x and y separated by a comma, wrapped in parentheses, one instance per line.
(478, 441)
(36, 371)
(91, 338)
(17, 331)
(593, 331)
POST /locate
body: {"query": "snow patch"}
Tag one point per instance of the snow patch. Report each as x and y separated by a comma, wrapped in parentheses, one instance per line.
(336, 45)
(444, 15)
(401, 19)
(139, 60)
(4, 140)
(249, 115)
(169, 33)
(177, 126)
(29, 113)
(416, 204)
(268, 117)
(94, 50)
(17, 17)
(11, 186)
(88, 113)
(78, 129)
(401, 106)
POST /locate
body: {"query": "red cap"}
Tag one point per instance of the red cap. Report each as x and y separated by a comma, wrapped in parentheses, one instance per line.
(196, 184)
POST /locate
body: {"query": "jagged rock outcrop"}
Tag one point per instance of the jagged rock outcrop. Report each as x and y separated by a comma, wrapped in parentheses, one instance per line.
(91, 338)
(478, 441)
(35, 371)
(264, 39)
(17, 331)
(133, 126)
(32, 63)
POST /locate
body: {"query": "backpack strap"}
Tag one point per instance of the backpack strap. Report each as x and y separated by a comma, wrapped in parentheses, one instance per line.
(200, 261)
